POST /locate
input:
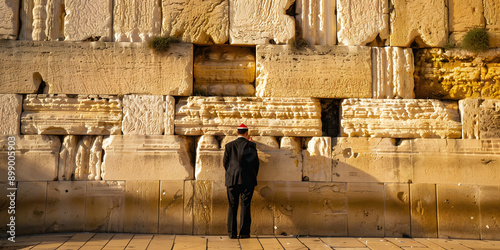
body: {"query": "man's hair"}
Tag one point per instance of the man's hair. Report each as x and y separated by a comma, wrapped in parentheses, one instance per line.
(242, 131)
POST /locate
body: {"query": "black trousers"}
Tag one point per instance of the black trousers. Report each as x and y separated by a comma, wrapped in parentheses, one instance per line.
(233, 196)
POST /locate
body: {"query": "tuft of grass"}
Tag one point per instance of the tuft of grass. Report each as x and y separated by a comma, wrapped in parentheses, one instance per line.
(162, 44)
(476, 40)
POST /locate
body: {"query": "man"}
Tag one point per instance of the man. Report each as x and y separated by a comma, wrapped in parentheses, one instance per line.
(242, 165)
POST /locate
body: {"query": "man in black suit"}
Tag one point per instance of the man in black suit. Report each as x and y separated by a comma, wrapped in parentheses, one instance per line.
(242, 165)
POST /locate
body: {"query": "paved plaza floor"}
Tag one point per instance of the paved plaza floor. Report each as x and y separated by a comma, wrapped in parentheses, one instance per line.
(158, 241)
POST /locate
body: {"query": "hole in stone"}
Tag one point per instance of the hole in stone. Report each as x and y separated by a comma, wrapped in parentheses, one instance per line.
(67, 191)
(397, 141)
(347, 153)
(271, 41)
(305, 178)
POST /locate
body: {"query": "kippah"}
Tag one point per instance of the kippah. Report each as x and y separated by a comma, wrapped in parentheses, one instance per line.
(242, 126)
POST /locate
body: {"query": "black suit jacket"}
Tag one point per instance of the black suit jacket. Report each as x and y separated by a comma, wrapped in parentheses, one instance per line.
(241, 163)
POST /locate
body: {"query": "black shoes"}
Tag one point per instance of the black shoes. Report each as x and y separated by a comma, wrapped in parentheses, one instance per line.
(244, 236)
(233, 237)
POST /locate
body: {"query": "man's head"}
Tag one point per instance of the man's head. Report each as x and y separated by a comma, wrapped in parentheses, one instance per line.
(242, 129)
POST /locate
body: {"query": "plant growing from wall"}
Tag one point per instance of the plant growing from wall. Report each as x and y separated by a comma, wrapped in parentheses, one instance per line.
(162, 44)
(476, 40)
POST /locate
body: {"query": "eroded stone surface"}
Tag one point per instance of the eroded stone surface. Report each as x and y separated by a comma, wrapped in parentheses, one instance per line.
(317, 159)
(327, 209)
(63, 115)
(30, 207)
(9, 19)
(136, 21)
(172, 201)
(10, 113)
(480, 118)
(42, 20)
(105, 206)
(199, 22)
(147, 114)
(264, 116)
(361, 22)
(65, 210)
(153, 157)
(464, 15)
(392, 73)
(317, 21)
(319, 71)
(291, 208)
(402, 118)
(263, 209)
(366, 209)
(492, 16)
(80, 158)
(490, 228)
(85, 19)
(421, 21)
(397, 209)
(260, 22)
(141, 206)
(224, 70)
(423, 210)
(95, 68)
(457, 74)
(36, 157)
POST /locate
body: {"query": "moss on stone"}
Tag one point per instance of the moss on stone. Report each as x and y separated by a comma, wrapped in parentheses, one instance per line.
(476, 40)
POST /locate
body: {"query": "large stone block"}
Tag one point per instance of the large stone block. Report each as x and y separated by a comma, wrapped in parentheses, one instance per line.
(488, 208)
(362, 22)
(65, 209)
(262, 211)
(392, 73)
(153, 157)
(397, 210)
(260, 22)
(136, 21)
(371, 160)
(480, 118)
(492, 16)
(224, 70)
(204, 22)
(278, 161)
(172, 202)
(317, 21)
(421, 21)
(464, 15)
(317, 159)
(80, 158)
(105, 206)
(30, 207)
(264, 116)
(9, 19)
(466, 161)
(320, 71)
(210, 208)
(400, 118)
(291, 206)
(148, 114)
(188, 225)
(64, 115)
(327, 214)
(86, 19)
(423, 210)
(36, 157)
(141, 207)
(10, 113)
(457, 74)
(95, 68)
(42, 20)
(458, 211)
(366, 209)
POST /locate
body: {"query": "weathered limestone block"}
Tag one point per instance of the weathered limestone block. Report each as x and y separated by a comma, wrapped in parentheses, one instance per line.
(224, 70)
(278, 161)
(172, 201)
(401, 118)
(397, 209)
(480, 118)
(148, 114)
(317, 21)
(291, 206)
(371, 160)
(10, 113)
(488, 200)
(321, 72)
(264, 116)
(263, 209)
(36, 157)
(492, 16)
(188, 225)
(260, 22)
(458, 211)
(421, 21)
(141, 207)
(465, 161)
(199, 22)
(210, 208)
(9, 19)
(105, 206)
(392, 73)
(65, 209)
(147, 157)
(423, 210)
(42, 20)
(360, 22)
(327, 209)
(317, 159)
(88, 19)
(80, 158)
(63, 115)
(95, 68)
(457, 74)
(366, 209)
(136, 21)
(464, 15)
(30, 207)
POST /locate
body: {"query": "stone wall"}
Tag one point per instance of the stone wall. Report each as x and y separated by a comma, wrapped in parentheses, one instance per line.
(365, 124)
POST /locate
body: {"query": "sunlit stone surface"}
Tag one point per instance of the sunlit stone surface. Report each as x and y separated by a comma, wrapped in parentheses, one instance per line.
(148, 115)
(392, 73)
(480, 118)
(80, 158)
(136, 21)
(9, 19)
(10, 113)
(317, 21)
(86, 19)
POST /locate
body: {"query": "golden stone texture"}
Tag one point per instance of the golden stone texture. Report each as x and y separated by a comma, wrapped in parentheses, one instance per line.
(392, 73)
(317, 21)
(9, 19)
(457, 74)
(480, 118)
(65, 209)
(86, 18)
(136, 21)
(10, 113)
(30, 207)
(423, 210)
(105, 206)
